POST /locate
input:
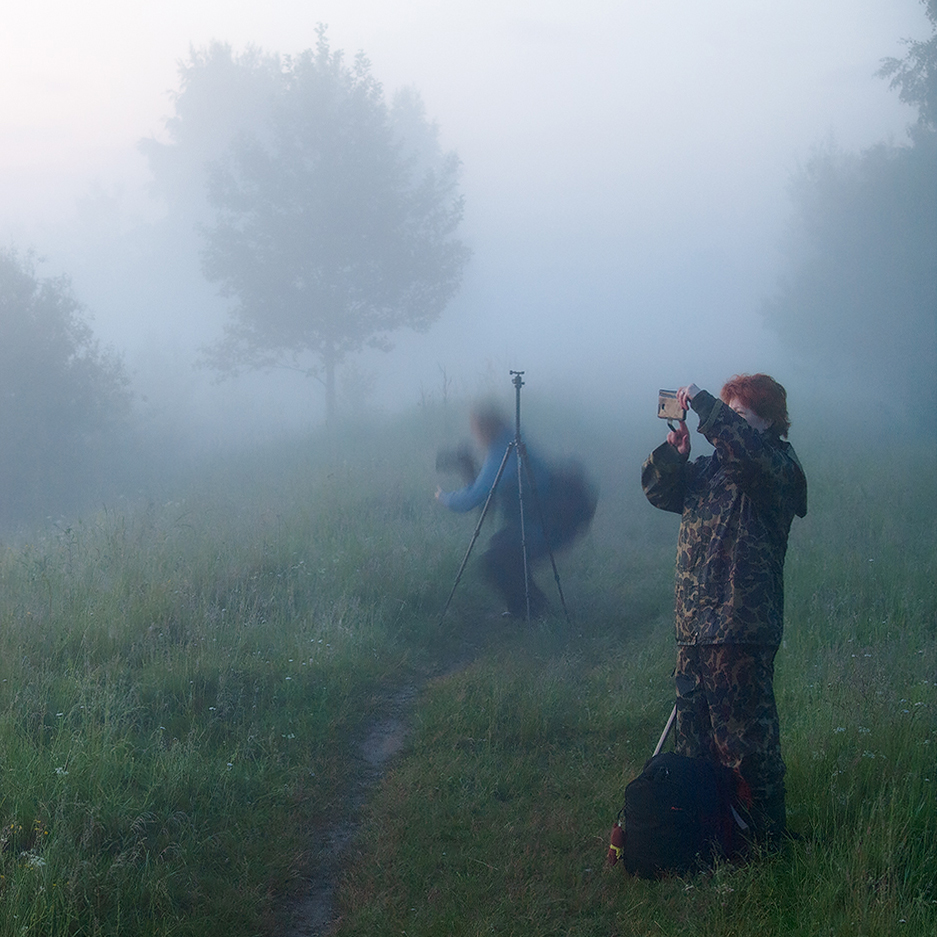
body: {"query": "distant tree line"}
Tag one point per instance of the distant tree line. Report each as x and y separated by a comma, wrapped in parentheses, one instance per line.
(329, 218)
(859, 299)
(64, 400)
(326, 215)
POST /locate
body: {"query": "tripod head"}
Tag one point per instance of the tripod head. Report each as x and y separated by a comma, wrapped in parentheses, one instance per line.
(517, 381)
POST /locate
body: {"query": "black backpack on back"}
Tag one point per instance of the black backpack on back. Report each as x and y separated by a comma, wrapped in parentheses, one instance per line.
(679, 816)
(571, 504)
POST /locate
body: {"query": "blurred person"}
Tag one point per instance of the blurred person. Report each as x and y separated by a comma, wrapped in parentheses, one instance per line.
(566, 506)
(736, 508)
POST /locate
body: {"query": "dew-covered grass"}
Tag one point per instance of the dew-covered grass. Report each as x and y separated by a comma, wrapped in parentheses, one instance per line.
(184, 681)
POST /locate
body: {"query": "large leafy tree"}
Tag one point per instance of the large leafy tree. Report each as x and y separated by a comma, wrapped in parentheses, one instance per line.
(859, 299)
(334, 214)
(61, 396)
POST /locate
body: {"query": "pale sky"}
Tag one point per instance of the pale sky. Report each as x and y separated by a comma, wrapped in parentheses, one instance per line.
(622, 160)
(636, 83)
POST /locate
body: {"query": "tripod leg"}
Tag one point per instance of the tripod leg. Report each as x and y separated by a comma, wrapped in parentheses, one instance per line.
(666, 732)
(478, 528)
(521, 460)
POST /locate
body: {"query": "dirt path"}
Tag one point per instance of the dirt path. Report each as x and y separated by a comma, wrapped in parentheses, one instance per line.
(313, 915)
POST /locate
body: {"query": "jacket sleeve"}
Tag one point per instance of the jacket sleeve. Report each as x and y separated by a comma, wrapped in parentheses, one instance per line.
(664, 478)
(763, 466)
(464, 499)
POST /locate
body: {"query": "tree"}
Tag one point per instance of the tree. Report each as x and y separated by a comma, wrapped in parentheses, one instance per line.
(859, 298)
(334, 216)
(915, 76)
(222, 96)
(61, 395)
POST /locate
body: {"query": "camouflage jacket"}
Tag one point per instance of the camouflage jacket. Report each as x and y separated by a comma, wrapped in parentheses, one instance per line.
(737, 506)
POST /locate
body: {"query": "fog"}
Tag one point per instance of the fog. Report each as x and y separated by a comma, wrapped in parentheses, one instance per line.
(625, 173)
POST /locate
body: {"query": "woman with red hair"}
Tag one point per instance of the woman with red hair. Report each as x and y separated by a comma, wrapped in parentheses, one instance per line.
(736, 508)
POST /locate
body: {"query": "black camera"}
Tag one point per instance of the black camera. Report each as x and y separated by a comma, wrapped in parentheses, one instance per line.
(460, 460)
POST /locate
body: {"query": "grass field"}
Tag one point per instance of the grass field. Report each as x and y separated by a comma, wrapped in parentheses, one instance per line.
(183, 684)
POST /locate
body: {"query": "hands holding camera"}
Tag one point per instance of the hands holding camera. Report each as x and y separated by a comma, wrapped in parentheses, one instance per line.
(679, 438)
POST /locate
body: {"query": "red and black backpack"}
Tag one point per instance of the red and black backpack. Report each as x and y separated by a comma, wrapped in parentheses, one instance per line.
(680, 815)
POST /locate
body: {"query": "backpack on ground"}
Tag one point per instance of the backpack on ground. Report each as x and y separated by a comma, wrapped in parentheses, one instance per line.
(679, 817)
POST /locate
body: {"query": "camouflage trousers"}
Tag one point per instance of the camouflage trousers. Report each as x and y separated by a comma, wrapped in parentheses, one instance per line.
(726, 712)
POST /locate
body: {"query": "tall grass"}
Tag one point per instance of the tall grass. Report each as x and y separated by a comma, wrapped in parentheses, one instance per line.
(183, 684)
(496, 820)
(179, 683)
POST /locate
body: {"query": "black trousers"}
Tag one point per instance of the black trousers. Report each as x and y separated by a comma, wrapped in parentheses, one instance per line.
(503, 564)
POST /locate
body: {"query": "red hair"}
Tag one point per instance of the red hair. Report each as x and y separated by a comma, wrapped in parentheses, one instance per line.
(763, 395)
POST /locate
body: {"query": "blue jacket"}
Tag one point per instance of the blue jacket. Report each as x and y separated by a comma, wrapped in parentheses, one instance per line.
(506, 494)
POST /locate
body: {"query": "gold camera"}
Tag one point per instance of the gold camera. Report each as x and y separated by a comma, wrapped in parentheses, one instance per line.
(667, 406)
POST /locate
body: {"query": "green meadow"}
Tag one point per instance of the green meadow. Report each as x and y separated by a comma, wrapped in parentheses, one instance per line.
(186, 681)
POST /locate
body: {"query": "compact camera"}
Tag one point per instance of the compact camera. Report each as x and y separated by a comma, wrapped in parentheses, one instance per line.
(667, 407)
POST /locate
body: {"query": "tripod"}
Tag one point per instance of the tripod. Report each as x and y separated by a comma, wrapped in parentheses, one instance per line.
(523, 468)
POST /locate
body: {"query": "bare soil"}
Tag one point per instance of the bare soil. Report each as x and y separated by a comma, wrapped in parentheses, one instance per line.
(313, 915)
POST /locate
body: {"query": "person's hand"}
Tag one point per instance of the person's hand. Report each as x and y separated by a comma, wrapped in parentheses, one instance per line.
(686, 394)
(679, 438)
(438, 491)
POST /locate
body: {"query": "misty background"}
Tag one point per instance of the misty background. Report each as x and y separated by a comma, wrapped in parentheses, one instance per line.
(630, 174)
